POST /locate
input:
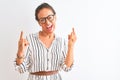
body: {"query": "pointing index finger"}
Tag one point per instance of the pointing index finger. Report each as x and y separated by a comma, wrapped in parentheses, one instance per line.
(21, 35)
(73, 30)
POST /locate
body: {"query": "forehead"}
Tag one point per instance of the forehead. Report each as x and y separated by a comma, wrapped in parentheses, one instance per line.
(44, 12)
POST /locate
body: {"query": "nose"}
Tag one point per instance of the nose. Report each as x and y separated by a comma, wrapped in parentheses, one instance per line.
(47, 22)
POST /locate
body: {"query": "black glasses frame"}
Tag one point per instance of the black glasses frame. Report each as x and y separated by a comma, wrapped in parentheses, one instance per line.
(49, 18)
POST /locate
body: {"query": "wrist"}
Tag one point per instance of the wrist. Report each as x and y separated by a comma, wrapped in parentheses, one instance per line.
(20, 51)
(20, 56)
(19, 61)
(70, 47)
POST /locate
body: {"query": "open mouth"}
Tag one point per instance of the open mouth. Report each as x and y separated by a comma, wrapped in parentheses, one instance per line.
(49, 27)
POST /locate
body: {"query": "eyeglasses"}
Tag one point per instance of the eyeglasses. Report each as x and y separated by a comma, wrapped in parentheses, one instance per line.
(49, 17)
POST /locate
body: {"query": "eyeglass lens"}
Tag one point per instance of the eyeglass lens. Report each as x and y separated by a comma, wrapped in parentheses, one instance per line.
(49, 17)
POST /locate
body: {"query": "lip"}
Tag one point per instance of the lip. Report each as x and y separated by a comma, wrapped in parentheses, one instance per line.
(50, 27)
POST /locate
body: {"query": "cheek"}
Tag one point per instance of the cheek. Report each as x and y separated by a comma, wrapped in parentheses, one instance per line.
(54, 22)
(41, 25)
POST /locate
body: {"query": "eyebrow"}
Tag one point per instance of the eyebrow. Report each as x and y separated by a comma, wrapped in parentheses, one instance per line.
(46, 16)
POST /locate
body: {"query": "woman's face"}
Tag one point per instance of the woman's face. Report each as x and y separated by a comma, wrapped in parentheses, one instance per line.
(47, 20)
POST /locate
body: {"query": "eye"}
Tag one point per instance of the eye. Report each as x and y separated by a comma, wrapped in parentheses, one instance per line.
(50, 17)
(42, 20)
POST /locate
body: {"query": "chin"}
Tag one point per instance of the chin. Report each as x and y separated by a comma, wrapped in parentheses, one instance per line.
(51, 31)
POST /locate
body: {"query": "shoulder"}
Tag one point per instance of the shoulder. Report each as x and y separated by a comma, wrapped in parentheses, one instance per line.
(62, 39)
(32, 36)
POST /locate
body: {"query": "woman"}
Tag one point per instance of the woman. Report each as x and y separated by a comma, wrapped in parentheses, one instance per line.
(43, 54)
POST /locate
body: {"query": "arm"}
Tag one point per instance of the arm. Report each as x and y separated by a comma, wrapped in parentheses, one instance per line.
(71, 41)
(23, 55)
(22, 44)
(69, 57)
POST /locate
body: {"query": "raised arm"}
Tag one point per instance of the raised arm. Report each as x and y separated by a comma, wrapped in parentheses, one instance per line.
(71, 41)
(22, 44)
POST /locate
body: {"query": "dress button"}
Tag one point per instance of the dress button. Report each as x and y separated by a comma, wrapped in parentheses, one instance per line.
(47, 50)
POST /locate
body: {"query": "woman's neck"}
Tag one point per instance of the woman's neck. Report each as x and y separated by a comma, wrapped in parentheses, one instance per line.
(46, 35)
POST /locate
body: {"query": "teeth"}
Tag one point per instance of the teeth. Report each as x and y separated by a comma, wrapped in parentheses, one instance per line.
(49, 26)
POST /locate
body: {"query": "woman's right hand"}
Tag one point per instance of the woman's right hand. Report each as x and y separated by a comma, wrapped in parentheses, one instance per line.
(22, 44)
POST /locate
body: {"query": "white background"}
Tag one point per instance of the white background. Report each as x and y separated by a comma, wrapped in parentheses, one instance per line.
(97, 25)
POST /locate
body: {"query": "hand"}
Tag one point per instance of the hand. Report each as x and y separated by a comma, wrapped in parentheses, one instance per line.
(72, 38)
(22, 44)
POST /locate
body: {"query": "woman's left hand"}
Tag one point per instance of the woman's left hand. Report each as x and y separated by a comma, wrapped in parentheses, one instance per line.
(72, 38)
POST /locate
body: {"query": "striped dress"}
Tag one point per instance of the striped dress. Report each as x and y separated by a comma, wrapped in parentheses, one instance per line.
(39, 58)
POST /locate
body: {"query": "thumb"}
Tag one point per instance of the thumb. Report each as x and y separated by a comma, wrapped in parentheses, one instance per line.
(68, 36)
